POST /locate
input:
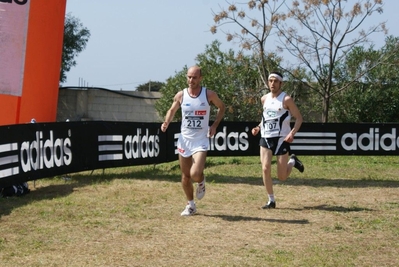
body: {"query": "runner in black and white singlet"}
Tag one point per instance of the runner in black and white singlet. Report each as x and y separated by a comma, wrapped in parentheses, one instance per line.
(275, 125)
(193, 141)
(276, 134)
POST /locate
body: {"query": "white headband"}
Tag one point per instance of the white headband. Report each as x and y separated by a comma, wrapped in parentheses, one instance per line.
(274, 75)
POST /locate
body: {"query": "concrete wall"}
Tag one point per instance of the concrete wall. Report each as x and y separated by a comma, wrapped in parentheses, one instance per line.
(77, 104)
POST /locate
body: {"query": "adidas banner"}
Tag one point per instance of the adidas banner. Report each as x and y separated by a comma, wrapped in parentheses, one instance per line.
(39, 150)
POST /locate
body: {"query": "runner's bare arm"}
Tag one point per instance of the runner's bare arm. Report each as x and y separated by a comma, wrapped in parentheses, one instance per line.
(172, 110)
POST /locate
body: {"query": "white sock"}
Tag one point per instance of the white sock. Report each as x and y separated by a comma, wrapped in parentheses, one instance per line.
(271, 197)
(203, 181)
(191, 203)
(291, 162)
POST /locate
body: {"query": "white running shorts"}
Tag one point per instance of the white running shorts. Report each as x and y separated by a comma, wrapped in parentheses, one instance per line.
(187, 148)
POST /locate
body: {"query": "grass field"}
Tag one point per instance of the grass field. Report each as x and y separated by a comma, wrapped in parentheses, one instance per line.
(342, 211)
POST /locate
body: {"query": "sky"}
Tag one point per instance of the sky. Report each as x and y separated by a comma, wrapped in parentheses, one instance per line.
(133, 42)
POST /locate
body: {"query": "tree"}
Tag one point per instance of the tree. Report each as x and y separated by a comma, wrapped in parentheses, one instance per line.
(75, 39)
(318, 34)
(375, 97)
(150, 86)
(172, 86)
(233, 76)
(330, 29)
(254, 32)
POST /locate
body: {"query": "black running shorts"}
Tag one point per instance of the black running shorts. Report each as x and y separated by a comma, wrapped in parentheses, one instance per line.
(276, 144)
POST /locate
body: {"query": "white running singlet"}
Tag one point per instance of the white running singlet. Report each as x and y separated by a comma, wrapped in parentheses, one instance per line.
(195, 123)
(275, 119)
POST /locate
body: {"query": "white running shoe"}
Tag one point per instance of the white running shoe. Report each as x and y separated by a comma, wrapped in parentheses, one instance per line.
(200, 192)
(188, 211)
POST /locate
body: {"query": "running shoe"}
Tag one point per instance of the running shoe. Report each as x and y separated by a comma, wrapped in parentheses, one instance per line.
(269, 205)
(200, 191)
(298, 164)
(188, 211)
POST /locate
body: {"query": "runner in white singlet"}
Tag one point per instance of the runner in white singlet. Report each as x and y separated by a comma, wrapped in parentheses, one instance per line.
(194, 126)
(193, 141)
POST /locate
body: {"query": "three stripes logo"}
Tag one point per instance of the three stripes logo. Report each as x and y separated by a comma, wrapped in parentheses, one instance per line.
(110, 147)
(9, 160)
(321, 141)
(117, 147)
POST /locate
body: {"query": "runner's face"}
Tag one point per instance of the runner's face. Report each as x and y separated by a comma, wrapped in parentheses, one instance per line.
(193, 78)
(274, 85)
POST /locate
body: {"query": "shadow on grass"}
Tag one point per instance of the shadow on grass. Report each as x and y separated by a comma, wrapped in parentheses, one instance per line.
(232, 218)
(160, 175)
(106, 176)
(338, 208)
(173, 175)
(42, 193)
(343, 183)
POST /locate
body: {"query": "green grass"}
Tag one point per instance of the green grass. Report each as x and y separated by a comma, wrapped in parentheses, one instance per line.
(342, 211)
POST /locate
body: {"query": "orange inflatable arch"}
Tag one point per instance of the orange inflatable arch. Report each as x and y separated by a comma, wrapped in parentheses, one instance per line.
(41, 63)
